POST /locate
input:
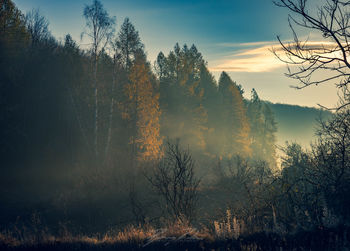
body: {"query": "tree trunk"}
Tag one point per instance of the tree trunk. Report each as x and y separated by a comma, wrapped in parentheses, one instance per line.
(79, 120)
(111, 111)
(96, 106)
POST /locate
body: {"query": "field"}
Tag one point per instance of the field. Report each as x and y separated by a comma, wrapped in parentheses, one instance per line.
(178, 238)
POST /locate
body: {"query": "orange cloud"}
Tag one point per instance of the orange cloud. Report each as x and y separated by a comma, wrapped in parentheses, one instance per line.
(260, 58)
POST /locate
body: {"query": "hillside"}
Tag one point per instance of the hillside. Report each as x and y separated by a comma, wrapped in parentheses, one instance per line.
(297, 123)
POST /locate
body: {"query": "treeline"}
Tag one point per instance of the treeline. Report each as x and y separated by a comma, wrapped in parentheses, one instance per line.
(87, 123)
(115, 101)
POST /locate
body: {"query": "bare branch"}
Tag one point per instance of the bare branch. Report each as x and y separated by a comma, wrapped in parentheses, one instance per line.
(306, 59)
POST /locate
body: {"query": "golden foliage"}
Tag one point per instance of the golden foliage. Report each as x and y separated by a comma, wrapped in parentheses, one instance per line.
(143, 112)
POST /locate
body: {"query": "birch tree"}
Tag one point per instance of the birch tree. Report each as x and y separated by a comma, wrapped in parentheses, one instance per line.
(100, 30)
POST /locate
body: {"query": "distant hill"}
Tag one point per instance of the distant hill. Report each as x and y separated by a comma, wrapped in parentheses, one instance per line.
(296, 123)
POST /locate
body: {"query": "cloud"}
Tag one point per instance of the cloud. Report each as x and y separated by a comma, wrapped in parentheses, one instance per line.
(260, 58)
(260, 43)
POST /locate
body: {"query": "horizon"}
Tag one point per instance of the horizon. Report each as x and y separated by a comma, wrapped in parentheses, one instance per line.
(243, 51)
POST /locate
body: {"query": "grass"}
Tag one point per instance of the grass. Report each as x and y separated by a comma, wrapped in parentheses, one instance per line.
(176, 235)
(134, 237)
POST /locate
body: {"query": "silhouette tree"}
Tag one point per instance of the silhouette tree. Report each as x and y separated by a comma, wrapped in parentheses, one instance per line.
(301, 206)
(174, 179)
(128, 43)
(331, 163)
(306, 59)
(38, 26)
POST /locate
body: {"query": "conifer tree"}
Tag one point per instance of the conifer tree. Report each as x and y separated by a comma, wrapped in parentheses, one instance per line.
(263, 129)
(211, 101)
(235, 131)
(128, 43)
(184, 115)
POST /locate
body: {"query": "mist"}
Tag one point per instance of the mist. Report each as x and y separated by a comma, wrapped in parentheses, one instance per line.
(102, 142)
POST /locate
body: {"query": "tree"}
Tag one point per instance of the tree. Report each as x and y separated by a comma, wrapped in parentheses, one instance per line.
(181, 95)
(75, 80)
(161, 66)
(270, 129)
(128, 43)
(331, 163)
(100, 30)
(315, 184)
(211, 101)
(38, 26)
(175, 181)
(301, 206)
(244, 188)
(14, 39)
(12, 24)
(306, 59)
(141, 96)
(143, 111)
(263, 129)
(235, 131)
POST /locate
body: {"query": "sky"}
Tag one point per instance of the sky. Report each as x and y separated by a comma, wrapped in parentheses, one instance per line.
(233, 35)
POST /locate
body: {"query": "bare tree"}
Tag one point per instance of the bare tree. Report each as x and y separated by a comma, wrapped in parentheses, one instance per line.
(38, 26)
(175, 181)
(305, 59)
(330, 170)
(100, 30)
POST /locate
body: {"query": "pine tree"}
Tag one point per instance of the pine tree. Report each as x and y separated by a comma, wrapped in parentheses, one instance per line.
(211, 101)
(181, 96)
(263, 129)
(128, 43)
(235, 127)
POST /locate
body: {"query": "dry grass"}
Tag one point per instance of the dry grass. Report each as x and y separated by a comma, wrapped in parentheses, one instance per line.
(178, 235)
(175, 230)
(7, 239)
(130, 234)
(229, 227)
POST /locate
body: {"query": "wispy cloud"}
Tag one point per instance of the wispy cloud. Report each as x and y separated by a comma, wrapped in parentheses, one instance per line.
(259, 58)
(260, 43)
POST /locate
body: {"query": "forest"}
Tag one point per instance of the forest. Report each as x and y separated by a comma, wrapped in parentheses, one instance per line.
(102, 149)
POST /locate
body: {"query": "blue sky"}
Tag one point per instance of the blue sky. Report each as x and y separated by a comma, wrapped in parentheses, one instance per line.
(233, 35)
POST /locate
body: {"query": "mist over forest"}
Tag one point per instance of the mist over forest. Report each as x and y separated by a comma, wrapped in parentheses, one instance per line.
(101, 142)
